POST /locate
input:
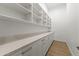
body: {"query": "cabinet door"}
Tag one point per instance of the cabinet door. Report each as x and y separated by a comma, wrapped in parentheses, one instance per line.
(48, 42)
(51, 37)
(44, 45)
(27, 51)
(37, 49)
(15, 53)
(33, 49)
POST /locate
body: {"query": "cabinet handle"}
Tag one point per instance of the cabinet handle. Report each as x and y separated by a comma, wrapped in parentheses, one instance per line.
(78, 47)
(43, 39)
(27, 50)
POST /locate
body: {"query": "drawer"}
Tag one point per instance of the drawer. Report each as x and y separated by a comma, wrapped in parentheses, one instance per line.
(44, 42)
(27, 50)
(37, 48)
(15, 53)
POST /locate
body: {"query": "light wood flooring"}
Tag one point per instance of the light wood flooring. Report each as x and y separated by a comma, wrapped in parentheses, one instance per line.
(58, 48)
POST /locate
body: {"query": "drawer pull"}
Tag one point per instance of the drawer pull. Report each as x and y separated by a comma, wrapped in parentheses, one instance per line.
(78, 47)
(27, 50)
(43, 39)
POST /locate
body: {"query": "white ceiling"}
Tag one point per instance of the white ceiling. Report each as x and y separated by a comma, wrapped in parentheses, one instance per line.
(51, 6)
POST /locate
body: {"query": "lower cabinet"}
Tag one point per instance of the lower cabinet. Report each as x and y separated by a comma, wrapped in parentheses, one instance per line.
(27, 50)
(38, 48)
(51, 37)
(15, 53)
(33, 49)
(44, 45)
(18, 53)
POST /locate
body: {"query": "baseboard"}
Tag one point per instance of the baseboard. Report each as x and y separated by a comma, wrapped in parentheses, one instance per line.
(70, 49)
(59, 40)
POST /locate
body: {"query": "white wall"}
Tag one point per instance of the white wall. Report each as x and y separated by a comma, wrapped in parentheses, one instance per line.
(66, 25)
(73, 16)
(58, 16)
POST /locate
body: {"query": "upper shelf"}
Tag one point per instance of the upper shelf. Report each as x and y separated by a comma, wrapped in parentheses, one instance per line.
(9, 18)
(13, 6)
(37, 9)
(24, 12)
(27, 6)
(37, 6)
(14, 10)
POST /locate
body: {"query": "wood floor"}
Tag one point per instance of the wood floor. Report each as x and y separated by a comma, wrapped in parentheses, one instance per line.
(58, 49)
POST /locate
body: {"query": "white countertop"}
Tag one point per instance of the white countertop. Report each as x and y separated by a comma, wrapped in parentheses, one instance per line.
(12, 46)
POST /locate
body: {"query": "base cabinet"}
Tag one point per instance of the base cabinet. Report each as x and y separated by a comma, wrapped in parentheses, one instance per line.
(44, 45)
(15, 53)
(38, 48)
(51, 37)
(27, 50)
(32, 50)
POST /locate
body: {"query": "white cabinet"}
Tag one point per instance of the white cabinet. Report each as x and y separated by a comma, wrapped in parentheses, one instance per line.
(31, 13)
(17, 52)
(37, 48)
(45, 47)
(27, 50)
(50, 39)
(46, 43)
(33, 49)
(24, 51)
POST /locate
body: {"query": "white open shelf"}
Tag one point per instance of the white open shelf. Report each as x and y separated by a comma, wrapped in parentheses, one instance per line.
(12, 19)
(36, 19)
(14, 10)
(27, 6)
(37, 9)
(37, 12)
(24, 12)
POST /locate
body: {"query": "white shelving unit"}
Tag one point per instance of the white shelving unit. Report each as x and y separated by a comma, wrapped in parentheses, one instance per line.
(37, 9)
(27, 6)
(14, 11)
(45, 19)
(48, 21)
(24, 12)
(36, 19)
